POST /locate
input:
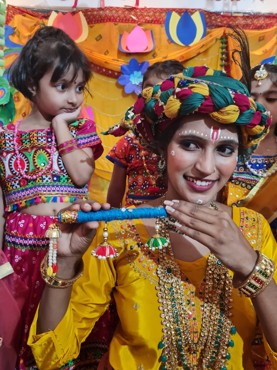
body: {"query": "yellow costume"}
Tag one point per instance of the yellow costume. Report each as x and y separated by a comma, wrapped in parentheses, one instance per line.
(132, 280)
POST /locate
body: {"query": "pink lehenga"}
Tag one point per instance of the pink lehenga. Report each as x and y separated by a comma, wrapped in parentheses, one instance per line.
(25, 246)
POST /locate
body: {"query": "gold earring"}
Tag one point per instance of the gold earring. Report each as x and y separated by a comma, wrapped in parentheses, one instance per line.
(161, 164)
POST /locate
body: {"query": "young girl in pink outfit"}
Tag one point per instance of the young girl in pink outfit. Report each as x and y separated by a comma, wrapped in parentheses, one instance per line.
(47, 159)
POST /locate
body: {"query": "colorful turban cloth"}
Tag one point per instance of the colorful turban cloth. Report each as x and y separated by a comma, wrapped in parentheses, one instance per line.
(198, 90)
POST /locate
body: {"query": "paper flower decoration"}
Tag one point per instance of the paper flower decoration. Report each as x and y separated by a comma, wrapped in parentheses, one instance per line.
(137, 41)
(185, 30)
(9, 31)
(75, 25)
(7, 109)
(11, 50)
(132, 76)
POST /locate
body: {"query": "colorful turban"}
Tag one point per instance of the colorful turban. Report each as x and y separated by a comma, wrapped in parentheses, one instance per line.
(201, 90)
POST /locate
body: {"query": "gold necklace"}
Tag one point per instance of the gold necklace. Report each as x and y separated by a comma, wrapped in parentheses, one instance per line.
(182, 346)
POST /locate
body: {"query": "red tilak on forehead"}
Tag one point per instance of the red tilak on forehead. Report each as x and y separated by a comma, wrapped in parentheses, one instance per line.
(214, 133)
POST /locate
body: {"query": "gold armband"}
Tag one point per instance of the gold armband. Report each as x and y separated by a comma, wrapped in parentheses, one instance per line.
(259, 278)
(55, 281)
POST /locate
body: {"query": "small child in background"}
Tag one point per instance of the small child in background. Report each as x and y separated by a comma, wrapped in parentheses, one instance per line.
(47, 159)
(143, 169)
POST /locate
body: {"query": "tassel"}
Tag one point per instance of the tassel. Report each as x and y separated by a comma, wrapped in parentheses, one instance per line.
(157, 241)
(104, 250)
(53, 233)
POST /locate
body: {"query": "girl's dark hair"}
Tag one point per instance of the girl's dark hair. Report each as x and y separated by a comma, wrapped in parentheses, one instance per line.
(50, 47)
(163, 70)
(241, 56)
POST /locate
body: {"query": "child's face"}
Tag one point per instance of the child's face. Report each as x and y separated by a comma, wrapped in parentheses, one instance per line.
(152, 80)
(266, 94)
(63, 96)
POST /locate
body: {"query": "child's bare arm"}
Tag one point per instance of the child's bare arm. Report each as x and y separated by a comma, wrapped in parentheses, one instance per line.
(79, 163)
(117, 186)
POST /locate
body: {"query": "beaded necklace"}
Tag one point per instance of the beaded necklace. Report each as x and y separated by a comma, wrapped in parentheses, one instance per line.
(18, 157)
(183, 345)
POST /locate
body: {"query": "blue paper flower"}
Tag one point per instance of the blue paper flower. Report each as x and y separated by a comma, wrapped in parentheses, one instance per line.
(132, 76)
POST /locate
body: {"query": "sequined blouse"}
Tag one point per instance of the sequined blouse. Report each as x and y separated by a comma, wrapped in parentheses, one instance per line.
(43, 177)
(132, 279)
(245, 188)
(145, 181)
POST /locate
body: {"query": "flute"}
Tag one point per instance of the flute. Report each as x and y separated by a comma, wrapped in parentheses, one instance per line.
(73, 217)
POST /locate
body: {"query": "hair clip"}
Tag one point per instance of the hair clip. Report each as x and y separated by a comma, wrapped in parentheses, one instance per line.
(261, 74)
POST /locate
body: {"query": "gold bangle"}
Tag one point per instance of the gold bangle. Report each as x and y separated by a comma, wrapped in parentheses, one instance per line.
(258, 279)
(56, 282)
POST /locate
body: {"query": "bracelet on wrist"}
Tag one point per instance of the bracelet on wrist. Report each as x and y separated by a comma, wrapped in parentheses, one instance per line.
(258, 279)
(67, 143)
(56, 282)
(68, 149)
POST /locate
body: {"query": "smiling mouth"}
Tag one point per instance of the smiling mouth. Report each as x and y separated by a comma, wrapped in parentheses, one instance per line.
(199, 182)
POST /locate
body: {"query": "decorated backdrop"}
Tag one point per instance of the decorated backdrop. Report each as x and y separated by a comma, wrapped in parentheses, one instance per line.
(109, 37)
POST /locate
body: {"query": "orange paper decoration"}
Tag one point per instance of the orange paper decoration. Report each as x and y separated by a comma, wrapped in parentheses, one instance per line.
(75, 25)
